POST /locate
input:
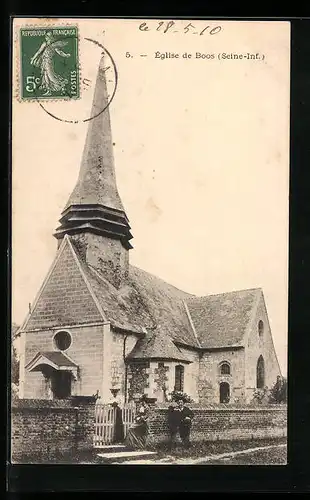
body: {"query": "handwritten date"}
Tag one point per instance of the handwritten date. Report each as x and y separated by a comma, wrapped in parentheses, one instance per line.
(172, 27)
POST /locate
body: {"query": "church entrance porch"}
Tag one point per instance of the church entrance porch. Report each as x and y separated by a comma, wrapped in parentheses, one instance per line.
(58, 371)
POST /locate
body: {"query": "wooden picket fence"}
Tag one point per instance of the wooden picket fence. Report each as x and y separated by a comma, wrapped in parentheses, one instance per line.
(105, 416)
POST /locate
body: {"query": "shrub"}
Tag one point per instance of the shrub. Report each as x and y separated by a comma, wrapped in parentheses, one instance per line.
(175, 395)
(14, 392)
(14, 367)
(278, 393)
(261, 396)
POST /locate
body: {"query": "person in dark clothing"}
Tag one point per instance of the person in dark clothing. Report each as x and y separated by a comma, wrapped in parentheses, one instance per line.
(180, 420)
(173, 423)
(137, 434)
(119, 425)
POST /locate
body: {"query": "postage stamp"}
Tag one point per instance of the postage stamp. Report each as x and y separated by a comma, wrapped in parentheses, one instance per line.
(49, 63)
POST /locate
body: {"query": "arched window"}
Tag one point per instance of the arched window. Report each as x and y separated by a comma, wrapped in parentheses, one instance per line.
(179, 378)
(260, 373)
(225, 368)
(224, 392)
(260, 328)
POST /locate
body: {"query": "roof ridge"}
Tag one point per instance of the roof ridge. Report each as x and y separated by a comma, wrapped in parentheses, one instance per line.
(227, 293)
(190, 319)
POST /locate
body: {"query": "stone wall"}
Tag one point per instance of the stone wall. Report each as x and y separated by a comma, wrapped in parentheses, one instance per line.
(162, 379)
(105, 254)
(44, 429)
(121, 343)
(224, 423)
(138, 378)
(210, 376)
(86, 350)
(160, 372)
(260, 345)
(191, 373)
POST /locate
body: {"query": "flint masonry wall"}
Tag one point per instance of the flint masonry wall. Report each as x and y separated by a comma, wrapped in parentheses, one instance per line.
(210, 376)
(42, 429)
(224, 423)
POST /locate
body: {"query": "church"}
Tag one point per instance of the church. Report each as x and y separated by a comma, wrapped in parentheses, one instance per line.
(102, 326)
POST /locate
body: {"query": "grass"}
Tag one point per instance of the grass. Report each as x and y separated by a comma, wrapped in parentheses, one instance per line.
(197, 450)
(273, 456)
(78, 457)
(207, 448)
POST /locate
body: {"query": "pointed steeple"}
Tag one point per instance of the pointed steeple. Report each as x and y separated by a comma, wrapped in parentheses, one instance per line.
(96, 184)
(94, 215)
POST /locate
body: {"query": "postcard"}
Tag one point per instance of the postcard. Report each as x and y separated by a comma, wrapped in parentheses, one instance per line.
(150, 201)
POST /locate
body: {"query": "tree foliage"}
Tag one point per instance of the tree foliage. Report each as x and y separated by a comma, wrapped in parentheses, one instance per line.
(278, 393)
(175, 395)
(14, 367)
(14, 357)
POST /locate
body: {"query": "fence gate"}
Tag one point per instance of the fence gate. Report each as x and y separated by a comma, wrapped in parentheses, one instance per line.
(105, 416)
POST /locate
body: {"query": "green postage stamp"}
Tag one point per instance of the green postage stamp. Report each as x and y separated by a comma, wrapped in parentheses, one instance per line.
(49, 63)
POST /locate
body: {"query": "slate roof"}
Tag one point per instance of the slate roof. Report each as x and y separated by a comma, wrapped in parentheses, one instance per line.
(143, 303)
(221, 320)
(56, 357)
(156, 345)
(147, 303)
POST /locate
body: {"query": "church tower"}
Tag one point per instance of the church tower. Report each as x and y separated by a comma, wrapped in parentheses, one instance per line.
(94, 216)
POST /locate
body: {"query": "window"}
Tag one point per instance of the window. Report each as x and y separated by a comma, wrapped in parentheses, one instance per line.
(179, 378)
(62, 340)
(225, 368)
(260, 373)
(260, 328)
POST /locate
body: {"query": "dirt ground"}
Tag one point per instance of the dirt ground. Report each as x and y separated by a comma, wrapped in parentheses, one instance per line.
(215, 448)
(271, 456)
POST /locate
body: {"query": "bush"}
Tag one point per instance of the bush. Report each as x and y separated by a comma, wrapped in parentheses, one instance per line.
(175, 395)
(261, 396)
(278, 393)
(14, 392)
(14, 367)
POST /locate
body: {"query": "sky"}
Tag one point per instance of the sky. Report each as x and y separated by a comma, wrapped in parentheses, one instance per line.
(201, 157)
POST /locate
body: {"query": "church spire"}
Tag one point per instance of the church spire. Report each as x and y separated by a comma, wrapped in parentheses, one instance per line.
(94, 215)
(96, 184)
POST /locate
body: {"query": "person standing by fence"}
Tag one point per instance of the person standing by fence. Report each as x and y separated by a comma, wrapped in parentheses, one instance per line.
(119, 425)
(137, 433)
(118, 433)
